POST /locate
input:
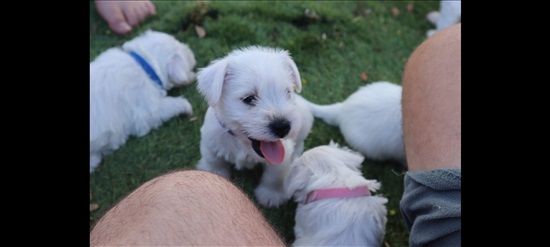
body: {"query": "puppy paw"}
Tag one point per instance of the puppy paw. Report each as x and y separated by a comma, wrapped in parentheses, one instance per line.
(270, 197)
(173, 106)
(187, 108)
(183, 106)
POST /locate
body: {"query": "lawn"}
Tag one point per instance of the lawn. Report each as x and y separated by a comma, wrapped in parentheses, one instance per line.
(338, 46)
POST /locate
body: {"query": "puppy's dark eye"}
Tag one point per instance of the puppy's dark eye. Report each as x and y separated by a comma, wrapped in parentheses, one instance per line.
(249, 100)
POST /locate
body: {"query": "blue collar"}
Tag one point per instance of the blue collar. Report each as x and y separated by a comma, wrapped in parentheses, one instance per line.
(148, 69)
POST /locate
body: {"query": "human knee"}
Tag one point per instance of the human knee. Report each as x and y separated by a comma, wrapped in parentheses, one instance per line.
(190, 180)
(449, 37)
(431, 97)
(445, 45)
(435, 63)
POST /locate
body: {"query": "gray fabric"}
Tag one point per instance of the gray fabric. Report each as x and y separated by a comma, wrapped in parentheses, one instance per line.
(431, 207)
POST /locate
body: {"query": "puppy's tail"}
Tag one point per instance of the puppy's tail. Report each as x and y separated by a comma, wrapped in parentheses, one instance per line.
(329, 113)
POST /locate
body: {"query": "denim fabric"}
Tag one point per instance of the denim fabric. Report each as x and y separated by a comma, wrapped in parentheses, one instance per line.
(431, 207)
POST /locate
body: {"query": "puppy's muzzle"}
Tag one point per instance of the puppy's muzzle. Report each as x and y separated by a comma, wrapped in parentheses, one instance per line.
(280, 127)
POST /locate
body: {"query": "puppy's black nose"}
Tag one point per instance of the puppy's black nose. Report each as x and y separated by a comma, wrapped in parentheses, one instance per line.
(280, 127)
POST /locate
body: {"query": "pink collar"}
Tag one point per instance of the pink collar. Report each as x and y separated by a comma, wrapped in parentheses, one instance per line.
(337, 193)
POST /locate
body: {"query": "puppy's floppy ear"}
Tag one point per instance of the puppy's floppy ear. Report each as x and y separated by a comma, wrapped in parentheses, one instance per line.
(296, 180)
(289, 65)
(210, 80)
(176, 70)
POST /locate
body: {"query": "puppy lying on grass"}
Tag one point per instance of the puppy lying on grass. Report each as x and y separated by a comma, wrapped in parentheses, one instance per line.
(369, 120)
(128, 90)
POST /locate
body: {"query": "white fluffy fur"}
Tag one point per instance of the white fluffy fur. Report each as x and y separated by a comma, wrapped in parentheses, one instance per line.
(355, 221)
(370, 120)
(124, 101)
(449, 13)
(272, 76)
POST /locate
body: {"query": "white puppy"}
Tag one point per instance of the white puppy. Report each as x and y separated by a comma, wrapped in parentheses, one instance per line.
(253, 116)
(449, 13)
(128, 90)
(369, 120)
(335, 205)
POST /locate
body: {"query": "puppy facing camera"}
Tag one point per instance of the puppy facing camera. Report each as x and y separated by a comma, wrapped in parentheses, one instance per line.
(128, 90)
(335, 202)
(369, 120)
(253, 116)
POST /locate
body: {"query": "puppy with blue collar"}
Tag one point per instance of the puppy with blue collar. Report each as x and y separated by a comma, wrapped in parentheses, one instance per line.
(128, 90)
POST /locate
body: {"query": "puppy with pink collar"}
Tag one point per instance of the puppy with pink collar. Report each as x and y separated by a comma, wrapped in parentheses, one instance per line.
(335, 202)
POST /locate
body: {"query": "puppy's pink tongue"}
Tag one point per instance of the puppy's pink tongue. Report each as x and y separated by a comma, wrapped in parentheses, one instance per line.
(274, 152)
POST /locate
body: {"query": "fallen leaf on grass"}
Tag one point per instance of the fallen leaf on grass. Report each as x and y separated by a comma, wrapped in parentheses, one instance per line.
(395, 11)
(93, 206)
(311, 14)
(359, 10)
(199, 10)
(410, 7)
(200, 31)
(364, 76)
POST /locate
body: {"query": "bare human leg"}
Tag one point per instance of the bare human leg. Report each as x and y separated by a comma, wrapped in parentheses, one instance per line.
(432, 102)
(185, 208)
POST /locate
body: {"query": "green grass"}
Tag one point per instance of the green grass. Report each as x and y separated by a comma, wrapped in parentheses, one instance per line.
(378, 43)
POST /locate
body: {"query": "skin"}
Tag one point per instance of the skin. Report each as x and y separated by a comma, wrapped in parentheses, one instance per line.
(185, 208)
(123, 16)
(432, 102)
